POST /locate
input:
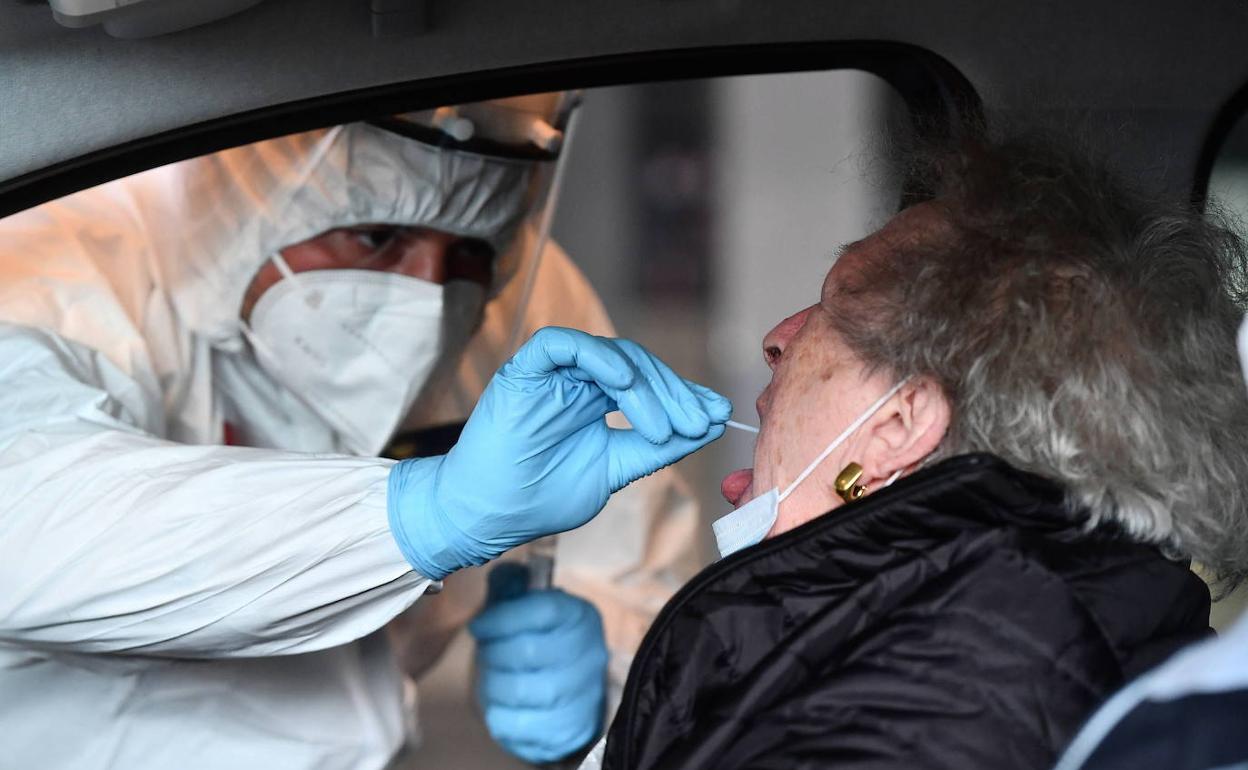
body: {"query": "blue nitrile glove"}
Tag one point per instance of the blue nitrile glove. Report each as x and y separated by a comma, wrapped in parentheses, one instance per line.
(542, 668)
(537, 457)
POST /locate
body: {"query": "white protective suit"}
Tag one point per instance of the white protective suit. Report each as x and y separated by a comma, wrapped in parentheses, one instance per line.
(167, 601)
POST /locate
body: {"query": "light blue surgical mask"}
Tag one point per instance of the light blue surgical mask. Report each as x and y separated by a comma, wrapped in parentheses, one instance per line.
(750, 523)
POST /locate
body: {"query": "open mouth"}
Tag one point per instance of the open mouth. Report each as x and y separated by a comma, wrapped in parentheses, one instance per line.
(736, 486)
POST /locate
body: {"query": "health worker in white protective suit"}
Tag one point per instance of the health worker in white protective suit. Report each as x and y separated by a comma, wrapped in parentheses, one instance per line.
(203, 562)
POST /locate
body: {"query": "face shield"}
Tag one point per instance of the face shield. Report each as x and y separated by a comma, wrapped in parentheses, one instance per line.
(528, 131)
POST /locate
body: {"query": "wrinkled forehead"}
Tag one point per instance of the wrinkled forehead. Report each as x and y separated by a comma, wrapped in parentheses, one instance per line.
(883, 254)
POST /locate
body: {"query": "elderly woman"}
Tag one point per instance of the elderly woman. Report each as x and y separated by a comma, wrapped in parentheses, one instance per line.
(1047, 361)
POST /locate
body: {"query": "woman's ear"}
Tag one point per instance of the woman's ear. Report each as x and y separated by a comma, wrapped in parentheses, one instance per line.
(908, 429)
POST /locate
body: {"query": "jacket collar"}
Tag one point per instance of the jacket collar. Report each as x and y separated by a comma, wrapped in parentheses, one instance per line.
(967, 492)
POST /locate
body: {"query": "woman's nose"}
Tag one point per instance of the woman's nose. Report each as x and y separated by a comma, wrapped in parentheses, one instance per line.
(777, 340)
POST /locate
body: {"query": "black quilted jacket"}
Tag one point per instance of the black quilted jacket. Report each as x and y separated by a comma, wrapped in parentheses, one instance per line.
(960, 619)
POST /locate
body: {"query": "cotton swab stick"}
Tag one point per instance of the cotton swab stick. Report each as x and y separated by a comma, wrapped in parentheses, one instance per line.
(741, 426)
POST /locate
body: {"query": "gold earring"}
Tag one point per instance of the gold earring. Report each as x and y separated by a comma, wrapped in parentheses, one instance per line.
(847, 485)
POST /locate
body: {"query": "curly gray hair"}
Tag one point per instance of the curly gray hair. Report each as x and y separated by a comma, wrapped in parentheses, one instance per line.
(1082, 331)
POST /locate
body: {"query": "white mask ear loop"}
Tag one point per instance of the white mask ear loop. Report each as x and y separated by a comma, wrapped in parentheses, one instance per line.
(282, 267)
(853, 426)
(897, 473)
(245, 326)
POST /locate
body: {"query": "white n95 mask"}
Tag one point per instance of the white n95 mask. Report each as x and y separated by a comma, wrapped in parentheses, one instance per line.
(750, 523)
(357, 346)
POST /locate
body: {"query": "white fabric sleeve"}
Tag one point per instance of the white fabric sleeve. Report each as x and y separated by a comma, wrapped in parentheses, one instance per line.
(593, 760)
(112, 540)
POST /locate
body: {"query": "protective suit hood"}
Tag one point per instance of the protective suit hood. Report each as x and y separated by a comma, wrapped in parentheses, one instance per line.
(213, 221)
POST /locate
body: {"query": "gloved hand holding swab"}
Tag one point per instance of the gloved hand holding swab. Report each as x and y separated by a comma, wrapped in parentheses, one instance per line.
(552, 459)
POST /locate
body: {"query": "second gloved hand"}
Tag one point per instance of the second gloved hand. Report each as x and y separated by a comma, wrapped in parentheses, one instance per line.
(537, 457)
(542, 664)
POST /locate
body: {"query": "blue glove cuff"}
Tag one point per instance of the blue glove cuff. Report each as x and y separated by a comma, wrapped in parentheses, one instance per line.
(429, 542)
